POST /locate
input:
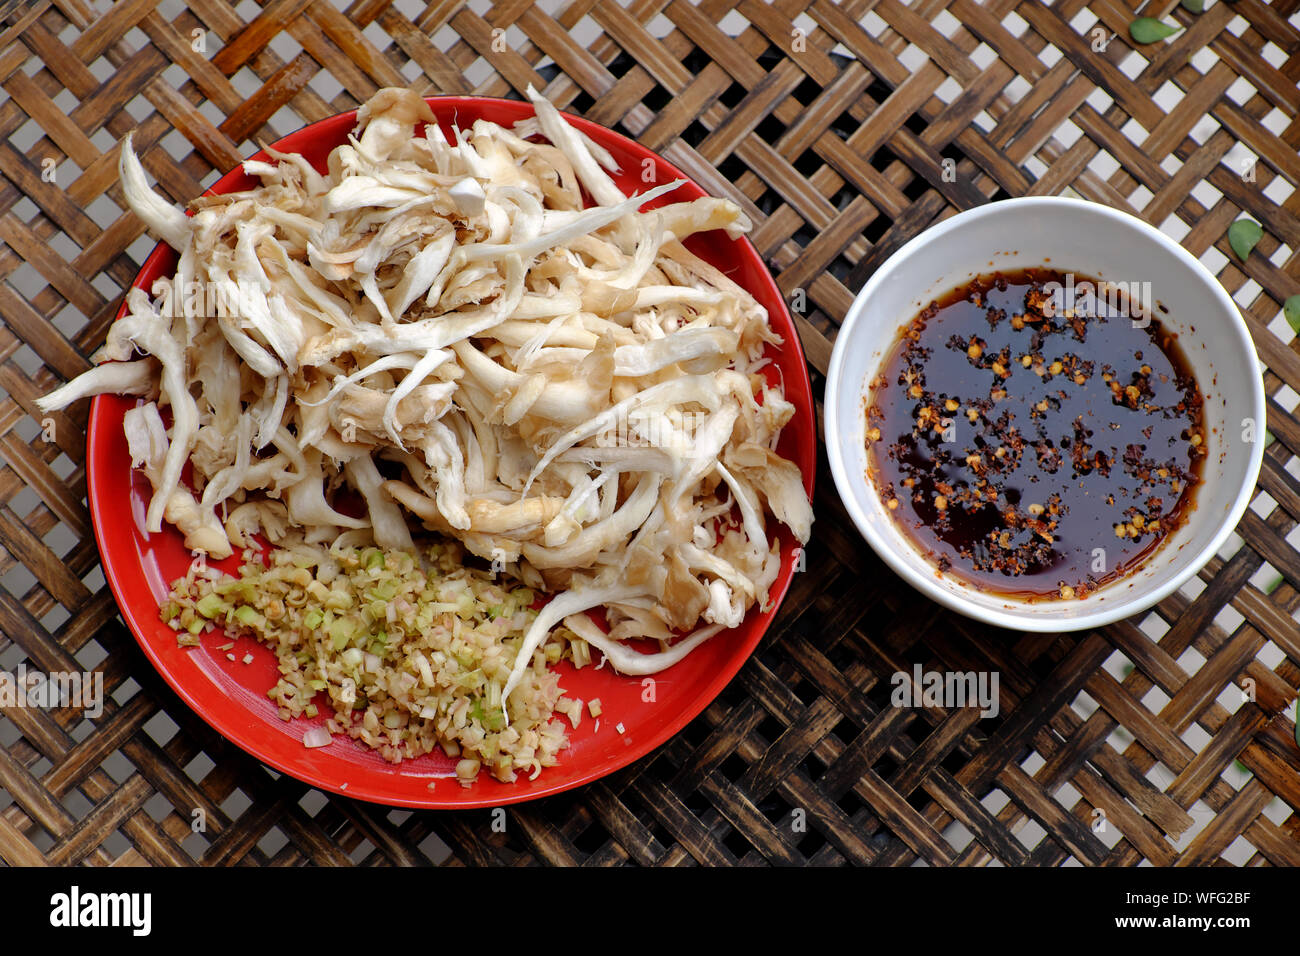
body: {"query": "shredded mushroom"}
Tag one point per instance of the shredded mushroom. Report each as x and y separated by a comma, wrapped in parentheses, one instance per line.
(446, 326)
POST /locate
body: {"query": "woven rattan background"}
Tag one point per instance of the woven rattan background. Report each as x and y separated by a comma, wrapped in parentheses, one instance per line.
(831, 124)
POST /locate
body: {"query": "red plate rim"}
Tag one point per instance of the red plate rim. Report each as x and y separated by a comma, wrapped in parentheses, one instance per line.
(139, 606)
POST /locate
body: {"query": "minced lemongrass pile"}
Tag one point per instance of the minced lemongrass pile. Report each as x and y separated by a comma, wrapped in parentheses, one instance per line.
(411, 658)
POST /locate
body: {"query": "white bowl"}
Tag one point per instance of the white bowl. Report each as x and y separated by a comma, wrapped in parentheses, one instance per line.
(1088, 239)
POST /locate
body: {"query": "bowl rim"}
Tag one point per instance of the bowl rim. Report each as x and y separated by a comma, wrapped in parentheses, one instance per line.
(244, 734)
(835, 409)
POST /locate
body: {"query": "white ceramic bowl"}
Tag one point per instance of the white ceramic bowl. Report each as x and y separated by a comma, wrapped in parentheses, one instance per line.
(1088, 239)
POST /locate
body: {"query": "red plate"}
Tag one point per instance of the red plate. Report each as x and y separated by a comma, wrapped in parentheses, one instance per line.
(231, 695)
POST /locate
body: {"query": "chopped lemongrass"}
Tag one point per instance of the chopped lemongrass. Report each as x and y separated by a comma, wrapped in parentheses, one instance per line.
(317, 737)
(581, 652)
(247, 615)
(339, 601)
(397, 682)
(210, 605)
(340, 632)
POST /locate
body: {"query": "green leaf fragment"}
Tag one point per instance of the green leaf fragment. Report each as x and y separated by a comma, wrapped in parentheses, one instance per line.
(1150, 30)
(1291, 309)
(1193, 6)
(1243, 235)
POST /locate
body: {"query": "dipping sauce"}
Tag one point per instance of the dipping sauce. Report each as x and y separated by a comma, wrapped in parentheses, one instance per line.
(1034, 440)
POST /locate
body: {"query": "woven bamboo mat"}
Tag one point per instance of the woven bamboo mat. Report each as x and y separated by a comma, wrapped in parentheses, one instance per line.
(833, 124)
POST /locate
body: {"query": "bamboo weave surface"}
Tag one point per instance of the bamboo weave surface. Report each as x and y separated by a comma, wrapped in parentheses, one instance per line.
(831, 123)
